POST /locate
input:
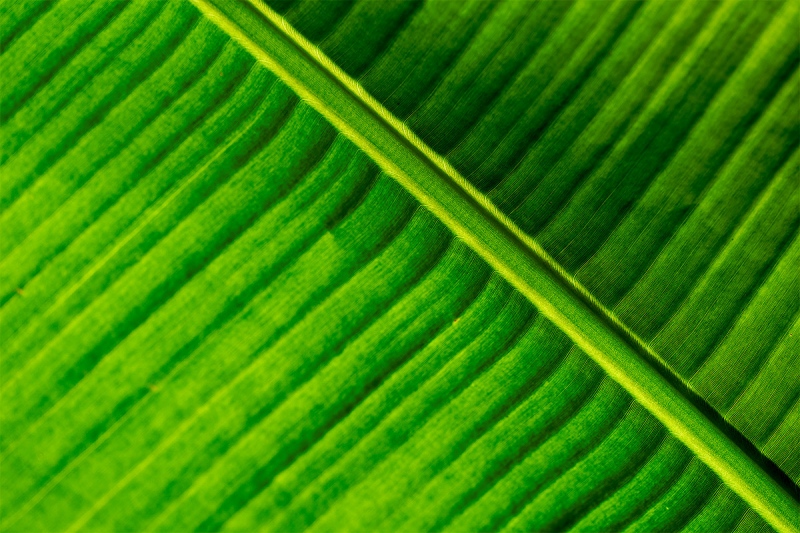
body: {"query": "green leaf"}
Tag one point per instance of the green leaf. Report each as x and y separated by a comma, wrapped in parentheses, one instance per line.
(220, 314)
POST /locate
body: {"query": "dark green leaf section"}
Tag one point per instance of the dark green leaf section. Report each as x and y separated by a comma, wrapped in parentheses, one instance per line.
(218, 314)
(650, 147)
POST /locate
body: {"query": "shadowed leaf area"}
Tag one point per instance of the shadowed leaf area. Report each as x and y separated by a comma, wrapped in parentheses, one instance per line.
(217, 313)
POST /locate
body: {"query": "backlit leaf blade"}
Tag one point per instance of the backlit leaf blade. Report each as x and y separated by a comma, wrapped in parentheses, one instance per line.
(223, 317)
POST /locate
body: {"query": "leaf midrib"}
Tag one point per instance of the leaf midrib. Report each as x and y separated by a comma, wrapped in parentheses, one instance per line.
(512, 253)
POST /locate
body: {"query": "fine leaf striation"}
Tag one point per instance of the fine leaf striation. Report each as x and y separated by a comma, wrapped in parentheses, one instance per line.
(219, 314)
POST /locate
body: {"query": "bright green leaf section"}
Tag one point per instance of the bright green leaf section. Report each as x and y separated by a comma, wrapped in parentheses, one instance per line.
(217, 313)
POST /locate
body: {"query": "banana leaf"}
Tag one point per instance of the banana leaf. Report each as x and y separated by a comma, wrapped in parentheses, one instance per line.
(522, 265)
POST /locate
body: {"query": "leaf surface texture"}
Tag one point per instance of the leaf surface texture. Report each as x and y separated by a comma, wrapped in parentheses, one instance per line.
(219, 314)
